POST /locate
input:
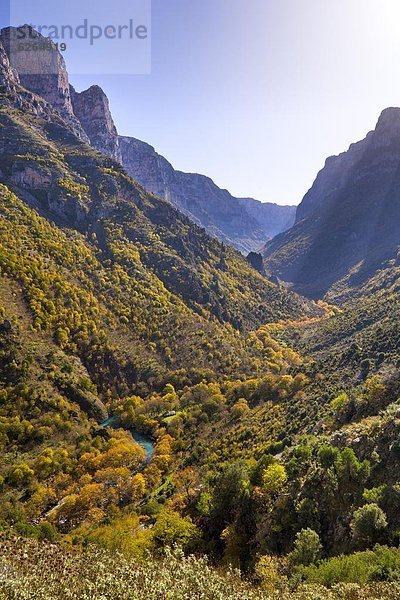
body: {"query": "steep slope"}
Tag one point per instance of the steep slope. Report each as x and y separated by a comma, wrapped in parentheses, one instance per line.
(348, 221)
(193, 283)
(242, 222)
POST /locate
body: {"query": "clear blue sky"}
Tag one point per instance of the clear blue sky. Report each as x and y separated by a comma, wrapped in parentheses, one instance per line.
(257, 93)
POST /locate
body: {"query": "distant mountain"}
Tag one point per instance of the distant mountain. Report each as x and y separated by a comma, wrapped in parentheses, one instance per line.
(347, 225)
(244, 223)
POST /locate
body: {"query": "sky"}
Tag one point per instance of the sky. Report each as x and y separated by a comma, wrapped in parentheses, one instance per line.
(253, 93)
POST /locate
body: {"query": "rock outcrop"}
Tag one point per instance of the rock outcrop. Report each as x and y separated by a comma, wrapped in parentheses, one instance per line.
(8, 76)
(255, 259)
(92, 109)
(42, 71)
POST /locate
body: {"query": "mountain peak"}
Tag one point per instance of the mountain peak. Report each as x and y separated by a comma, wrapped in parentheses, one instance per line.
(92, 109)
(41, 70)
(389, 122)
(348, 220)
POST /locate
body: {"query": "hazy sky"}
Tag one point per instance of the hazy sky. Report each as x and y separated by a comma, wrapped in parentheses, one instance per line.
(257, 93)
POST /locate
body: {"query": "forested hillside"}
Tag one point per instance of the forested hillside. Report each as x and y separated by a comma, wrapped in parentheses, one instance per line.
(106, 292)
(158, 391)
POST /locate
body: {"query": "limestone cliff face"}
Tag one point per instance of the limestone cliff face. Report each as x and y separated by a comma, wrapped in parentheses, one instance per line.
(13, 95)
(42, 71)
(8, 76)
(348, 221)
(92, 109)
(242, 223)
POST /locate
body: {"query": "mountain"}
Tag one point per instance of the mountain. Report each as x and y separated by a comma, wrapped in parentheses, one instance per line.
(347, 223)
(174, 286)
(92, 109)
(273, 218)
(244, 223)
(107, 294)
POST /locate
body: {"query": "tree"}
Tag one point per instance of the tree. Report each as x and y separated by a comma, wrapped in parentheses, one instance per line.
(171, 529)
(186, 481)
(368, 523)
(229, 488)
(266, 570)
(307, 548)
(240, 408)
(341, 407)
(138, 487)
(274, 478)
(20, 475)
(327, 455)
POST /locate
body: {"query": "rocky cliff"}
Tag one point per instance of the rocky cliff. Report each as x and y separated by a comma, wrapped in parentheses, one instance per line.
(42, 71)
(92, 109)
(8, 76)
(347, 223)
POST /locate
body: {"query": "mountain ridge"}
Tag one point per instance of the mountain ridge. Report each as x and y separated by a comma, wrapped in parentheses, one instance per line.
(241, 222)
(347, 221)
(236, 221)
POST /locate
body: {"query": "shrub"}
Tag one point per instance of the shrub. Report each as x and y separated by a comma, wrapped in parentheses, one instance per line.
(266, 571)
(368, 523)
(360, 567)
(307, 548)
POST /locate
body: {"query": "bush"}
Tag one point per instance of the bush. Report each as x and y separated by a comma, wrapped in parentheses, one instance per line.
(360, 567)
(307, 548)
(274, 478)
(367, 524)
(266, 571)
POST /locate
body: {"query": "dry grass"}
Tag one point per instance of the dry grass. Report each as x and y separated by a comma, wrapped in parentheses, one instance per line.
(43, 571)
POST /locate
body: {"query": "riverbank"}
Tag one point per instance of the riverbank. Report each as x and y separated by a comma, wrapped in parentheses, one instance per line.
(145, 441)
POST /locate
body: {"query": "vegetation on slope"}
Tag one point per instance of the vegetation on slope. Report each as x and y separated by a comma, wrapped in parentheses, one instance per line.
(92, 573)
(274, 421)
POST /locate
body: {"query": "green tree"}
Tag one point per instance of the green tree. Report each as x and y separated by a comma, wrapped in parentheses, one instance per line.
(240, 408)
(172, 529)
(274, 478)
(20, 475)
(368, 523)
(340, 406)
(307, 548)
